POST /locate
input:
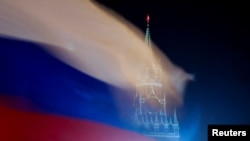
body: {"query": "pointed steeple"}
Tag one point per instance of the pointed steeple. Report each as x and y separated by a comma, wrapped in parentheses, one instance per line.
(175, 117)
(148, 42)
(170, 121)
(147, 37)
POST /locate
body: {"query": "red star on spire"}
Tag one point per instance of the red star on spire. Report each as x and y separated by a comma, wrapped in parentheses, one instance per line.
(148, 18)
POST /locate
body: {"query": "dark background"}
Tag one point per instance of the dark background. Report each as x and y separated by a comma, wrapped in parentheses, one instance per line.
(209, 40)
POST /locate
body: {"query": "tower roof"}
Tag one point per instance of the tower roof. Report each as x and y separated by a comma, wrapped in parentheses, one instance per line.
(147, 36)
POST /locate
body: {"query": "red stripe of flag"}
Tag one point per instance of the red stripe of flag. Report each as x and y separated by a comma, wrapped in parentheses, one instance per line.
(19, 125)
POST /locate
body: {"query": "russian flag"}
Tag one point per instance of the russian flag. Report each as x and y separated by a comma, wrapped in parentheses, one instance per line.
(42, 98)
(67, 72)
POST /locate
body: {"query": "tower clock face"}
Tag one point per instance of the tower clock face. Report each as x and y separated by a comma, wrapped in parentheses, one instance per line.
(152, 102)
(153, 105)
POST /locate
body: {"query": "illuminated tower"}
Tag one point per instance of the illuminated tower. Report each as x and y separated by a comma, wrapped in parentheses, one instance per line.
(150, 115)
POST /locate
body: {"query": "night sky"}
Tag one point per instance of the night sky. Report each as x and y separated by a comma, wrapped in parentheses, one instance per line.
(209, 40)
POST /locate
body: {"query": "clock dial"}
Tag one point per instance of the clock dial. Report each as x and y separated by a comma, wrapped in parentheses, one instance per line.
(153, 105)
(152, 102)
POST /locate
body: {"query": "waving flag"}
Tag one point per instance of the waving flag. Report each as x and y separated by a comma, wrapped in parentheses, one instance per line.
(68, 69)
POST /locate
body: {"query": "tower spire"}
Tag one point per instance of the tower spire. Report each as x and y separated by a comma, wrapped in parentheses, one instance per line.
(147, 37)
(175, 117)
